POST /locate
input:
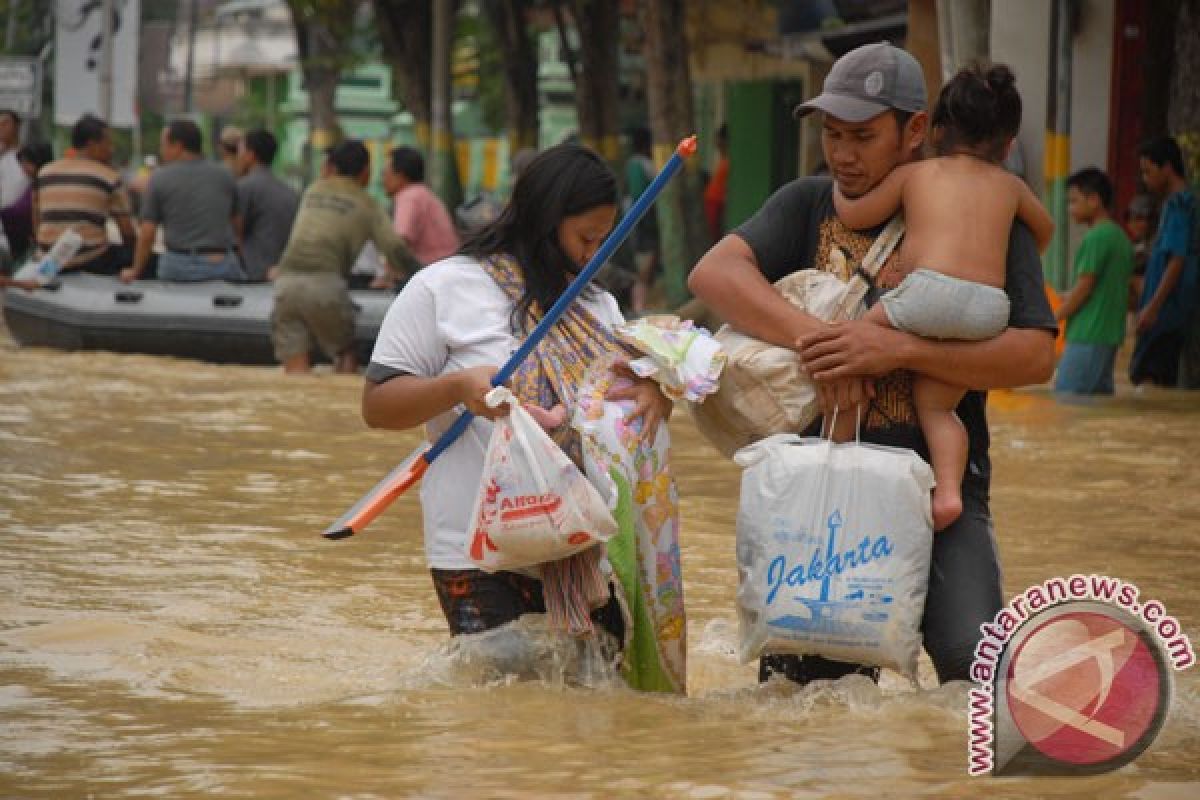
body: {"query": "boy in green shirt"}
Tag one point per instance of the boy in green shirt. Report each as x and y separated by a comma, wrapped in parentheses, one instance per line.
(1096, 305)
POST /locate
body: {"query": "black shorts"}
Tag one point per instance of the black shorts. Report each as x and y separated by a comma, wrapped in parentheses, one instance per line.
(964, 592)
(475, 601)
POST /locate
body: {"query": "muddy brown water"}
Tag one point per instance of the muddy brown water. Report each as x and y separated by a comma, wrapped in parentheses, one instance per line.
(172, 625)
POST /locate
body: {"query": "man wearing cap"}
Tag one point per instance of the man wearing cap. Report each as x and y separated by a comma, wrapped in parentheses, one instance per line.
(874, 118)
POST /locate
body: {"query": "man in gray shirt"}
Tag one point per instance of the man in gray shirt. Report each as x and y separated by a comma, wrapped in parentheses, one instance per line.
(266, 205)
(193, 200)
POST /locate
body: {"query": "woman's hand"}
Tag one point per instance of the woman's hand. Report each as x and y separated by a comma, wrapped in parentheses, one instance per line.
(649, 403)
(471, 385)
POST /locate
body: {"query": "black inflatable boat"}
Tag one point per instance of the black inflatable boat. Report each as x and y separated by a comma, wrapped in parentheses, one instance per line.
(211, 321)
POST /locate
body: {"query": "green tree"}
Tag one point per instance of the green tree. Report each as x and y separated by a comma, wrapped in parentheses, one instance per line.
(597, 77)
(323, 33)
(520, 66)
(405, 30)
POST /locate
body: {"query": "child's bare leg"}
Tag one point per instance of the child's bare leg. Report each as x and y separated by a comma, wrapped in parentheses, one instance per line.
(947, 439)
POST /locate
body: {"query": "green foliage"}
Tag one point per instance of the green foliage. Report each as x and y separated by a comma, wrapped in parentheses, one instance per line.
(33, 25)
(479, 68)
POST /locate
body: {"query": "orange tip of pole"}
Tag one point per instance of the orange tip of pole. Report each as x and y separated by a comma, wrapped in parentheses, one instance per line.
(687, 147)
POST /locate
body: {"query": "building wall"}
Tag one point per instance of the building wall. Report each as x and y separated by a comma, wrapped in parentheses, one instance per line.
(1021, 38)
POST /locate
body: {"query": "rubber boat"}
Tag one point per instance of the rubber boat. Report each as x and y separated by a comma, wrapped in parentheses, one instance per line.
(211, 321)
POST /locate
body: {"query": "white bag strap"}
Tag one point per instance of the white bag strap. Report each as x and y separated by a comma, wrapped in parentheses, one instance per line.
(827, 433)
(864, 277)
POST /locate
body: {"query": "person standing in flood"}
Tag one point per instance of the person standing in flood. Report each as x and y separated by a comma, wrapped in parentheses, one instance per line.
(874, 119)
(440, 346)
(1169, 289)
(312, 302)
(1095, 308)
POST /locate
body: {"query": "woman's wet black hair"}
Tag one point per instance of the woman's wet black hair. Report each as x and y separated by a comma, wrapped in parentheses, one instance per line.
(560, 182)
(978, 112)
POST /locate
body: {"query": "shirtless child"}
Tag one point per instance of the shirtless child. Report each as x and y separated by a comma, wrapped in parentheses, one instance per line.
(958, 210)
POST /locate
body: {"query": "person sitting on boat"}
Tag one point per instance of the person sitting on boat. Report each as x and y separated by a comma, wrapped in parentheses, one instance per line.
(418, 213)
(266, 206)
(193, 200)
(82, 191)
(312, 302)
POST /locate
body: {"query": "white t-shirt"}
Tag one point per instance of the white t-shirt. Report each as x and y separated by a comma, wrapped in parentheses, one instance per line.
(451, 315)
(13, 180)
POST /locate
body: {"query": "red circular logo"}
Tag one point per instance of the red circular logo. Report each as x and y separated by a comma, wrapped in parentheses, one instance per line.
(1085, 688)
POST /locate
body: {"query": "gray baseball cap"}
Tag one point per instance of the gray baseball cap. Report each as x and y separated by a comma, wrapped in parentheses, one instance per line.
(868, 81)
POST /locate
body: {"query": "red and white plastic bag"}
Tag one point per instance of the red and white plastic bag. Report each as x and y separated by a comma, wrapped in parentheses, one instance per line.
(534, 505)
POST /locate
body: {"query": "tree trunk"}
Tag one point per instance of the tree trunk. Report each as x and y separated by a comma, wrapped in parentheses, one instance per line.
(443, 166)
(669, 100)
(597, 92)
(320, 50)
(519, 57)
(404, 32)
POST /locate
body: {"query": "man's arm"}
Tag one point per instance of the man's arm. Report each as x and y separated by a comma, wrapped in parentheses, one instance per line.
(141, 254)
(729, 281)
(1021, 355)
(1149, 313)
(391, 246)
(1017, 357)
(876, 206)
(120, 209)
(125, 226)
(1077, 297)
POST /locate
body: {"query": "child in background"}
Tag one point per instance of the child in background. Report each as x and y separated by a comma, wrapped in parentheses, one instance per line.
(958, 209)
(1139, 226)
(1096, 306)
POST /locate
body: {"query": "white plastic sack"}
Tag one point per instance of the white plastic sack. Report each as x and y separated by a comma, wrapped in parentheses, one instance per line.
(833, 549)
(533, 505)
(763, 389)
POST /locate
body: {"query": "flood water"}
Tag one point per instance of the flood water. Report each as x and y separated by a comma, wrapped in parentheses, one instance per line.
(172, 624)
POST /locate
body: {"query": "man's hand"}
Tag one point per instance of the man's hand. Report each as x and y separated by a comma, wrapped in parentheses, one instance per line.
(855, 349)
(1146, 318)
(844, 395)
(129, 275)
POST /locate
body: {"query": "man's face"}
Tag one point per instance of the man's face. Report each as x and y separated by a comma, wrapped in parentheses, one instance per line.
(167, 149)
(244, 161)
(1138, 227)
(390, 184)
(8, 130)
(861, 154)
(1081, 206)
(1154, 176)
(102, 150)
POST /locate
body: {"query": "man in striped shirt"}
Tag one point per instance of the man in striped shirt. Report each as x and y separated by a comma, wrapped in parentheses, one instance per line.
(82, 192)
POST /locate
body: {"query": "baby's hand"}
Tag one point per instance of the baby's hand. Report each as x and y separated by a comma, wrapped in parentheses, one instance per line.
(550, 419)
